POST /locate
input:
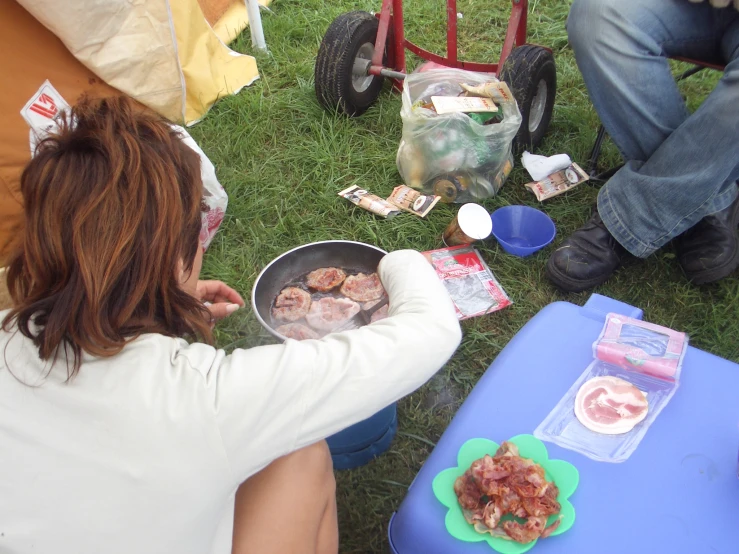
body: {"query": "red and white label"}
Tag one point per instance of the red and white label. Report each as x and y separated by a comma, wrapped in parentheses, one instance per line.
(458, 265)
(43, 107)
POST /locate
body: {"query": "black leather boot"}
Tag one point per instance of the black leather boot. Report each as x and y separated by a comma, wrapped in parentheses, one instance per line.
(586, 258)
(709, 250)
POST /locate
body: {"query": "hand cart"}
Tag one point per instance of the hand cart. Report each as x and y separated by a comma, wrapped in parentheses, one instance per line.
(360, 50)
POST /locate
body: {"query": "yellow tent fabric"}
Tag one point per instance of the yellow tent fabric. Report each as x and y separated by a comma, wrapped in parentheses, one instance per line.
(210, 69)
(164, 53)
(227, 17)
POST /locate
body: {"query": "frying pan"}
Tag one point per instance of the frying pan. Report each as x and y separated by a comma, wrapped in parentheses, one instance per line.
(346, 254)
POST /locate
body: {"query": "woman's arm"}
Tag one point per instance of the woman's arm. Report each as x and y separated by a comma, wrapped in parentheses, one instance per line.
(272, 400)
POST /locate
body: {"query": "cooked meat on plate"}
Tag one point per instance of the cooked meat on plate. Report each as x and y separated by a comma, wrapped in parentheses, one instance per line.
(291, 304)
(503, 484)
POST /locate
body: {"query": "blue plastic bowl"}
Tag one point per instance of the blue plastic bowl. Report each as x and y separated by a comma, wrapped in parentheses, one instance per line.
(521, 230)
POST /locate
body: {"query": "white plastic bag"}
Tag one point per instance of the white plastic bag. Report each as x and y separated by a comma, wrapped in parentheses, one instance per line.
(214, 196)
(453, 148)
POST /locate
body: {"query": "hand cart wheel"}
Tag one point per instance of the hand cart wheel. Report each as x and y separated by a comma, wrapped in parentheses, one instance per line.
(530, 72)
(342, 79)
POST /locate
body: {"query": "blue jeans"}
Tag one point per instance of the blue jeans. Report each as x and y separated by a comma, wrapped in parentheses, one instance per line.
(679, 167)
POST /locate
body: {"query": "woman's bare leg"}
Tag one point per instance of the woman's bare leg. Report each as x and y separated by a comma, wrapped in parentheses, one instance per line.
(289, 507)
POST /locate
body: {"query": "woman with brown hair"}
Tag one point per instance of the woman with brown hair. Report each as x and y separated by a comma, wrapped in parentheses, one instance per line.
(119, 436)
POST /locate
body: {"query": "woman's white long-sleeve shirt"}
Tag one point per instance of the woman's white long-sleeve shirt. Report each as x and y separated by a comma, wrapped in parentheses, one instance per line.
(141, 452)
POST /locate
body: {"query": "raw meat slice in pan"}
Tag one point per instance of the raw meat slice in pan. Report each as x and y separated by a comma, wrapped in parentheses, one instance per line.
(297, 331)
(367, 305)
(610, 405)
(325, 278)
(382, 313)
(363, 288)
(329, 313)
(291, 304)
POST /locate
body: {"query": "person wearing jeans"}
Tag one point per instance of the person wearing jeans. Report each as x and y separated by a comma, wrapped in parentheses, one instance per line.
(680, 177)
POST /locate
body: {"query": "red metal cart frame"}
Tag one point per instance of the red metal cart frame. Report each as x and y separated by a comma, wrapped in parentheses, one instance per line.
(391, 17)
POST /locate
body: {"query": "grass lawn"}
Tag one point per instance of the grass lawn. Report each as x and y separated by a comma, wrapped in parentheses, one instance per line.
(282, 160)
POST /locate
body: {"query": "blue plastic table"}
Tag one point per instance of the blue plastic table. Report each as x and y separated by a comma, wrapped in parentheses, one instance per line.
(677, 493)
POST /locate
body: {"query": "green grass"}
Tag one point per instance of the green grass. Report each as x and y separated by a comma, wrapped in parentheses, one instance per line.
(282, 160)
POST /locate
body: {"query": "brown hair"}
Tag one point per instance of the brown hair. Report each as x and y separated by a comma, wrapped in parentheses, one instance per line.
(112, 205)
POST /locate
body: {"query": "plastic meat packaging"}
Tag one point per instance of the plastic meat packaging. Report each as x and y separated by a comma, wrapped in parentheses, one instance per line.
(468, 280)
(643, 354)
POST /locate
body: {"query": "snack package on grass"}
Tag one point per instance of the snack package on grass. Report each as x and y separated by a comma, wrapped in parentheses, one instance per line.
(472, 286)
(558, 182)
(370, 202)
(412, 201)
(607, 412)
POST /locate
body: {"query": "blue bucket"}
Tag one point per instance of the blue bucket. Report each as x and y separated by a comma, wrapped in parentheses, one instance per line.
(364, 441)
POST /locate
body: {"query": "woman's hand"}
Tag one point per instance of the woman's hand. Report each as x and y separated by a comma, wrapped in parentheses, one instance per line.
(220, 299)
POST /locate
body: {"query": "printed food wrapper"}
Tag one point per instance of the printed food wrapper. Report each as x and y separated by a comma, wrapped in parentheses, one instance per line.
(472, 286)
(558, 182)
(370, 202)
(498, 91)
(456, 104)
(412, 201)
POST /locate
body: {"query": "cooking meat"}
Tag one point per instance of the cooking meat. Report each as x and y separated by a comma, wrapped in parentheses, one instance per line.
(325, 279)
(297, 331)
(329, 313)
(370, 304)
(382, 313)
(291, 304)
(506, 483)
(610, 405)
(363, 288)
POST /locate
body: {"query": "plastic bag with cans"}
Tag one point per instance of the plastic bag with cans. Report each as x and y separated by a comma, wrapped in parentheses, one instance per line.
(459, 156)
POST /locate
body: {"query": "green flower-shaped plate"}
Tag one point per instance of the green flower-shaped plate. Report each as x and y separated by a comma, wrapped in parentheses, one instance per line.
(562, 473)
